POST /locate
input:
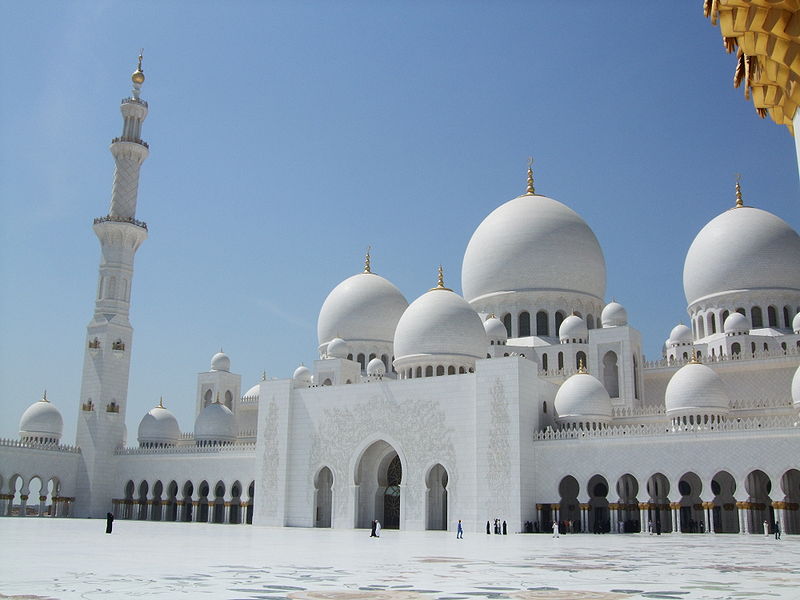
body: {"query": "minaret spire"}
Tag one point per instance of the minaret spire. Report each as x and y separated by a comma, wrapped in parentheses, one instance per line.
(739, 201)
(530, 191)
(367, 267)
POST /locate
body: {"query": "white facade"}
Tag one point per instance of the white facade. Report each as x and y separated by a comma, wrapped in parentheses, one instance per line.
(527, 401)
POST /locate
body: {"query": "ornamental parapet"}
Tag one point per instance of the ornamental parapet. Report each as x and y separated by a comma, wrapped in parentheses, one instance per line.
(131, 140)
(49, 447)
(742, 357)
(117, 219)
(133, 101)
(775, 422)
(248, 401)
(245, 448)
(638, 411)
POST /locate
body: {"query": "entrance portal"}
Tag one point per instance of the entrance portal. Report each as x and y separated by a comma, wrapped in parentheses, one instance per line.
(378, 478)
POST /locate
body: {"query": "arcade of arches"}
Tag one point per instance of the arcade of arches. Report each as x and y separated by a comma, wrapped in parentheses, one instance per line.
(688, 505)
(190, 502)
(33, 496)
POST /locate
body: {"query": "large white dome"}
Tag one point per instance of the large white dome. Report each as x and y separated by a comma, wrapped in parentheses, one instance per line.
(533, 243)
(744, 248)
(440, 322)
(362, 307)
(41, 422)
(614, 315)
(215, 424)
(159, 426)
(696, 389)
(581, 399)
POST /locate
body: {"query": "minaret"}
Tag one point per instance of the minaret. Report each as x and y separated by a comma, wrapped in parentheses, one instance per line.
(104, 385)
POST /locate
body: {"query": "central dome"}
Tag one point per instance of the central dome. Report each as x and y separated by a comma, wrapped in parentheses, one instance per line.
(362, 307)
(744, 248)
(533, 243)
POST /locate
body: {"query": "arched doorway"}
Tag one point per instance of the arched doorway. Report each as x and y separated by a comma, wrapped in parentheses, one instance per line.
(323, 497)
(659, 514)
(155, 511)
(436, 498)
(598, 521)
(570, 508)
(251, 494)
(378, 478)
(235, 515)
(726, 517)
(691, 512)
(758, 487)
(218, 515)
(628, 504)
(790, 484)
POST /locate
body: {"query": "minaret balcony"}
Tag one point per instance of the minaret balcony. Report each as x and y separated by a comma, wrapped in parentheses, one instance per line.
(116, 219)
(131, 140)
(134, 101)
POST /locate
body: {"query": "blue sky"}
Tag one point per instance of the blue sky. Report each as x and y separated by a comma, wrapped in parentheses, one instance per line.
(287, 136)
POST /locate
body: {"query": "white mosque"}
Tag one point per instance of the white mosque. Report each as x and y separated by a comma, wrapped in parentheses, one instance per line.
(526, 400)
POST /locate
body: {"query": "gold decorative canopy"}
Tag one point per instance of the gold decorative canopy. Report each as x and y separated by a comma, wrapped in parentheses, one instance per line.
(766, 37)
(138, 74)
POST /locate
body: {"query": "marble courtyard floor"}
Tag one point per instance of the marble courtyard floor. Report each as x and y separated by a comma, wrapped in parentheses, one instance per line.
(65, 559)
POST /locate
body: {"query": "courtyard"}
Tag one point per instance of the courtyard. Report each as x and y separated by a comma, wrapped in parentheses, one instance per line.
(70, 558)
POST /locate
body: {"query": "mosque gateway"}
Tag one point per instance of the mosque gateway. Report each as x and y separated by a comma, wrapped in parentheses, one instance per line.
(527, 400)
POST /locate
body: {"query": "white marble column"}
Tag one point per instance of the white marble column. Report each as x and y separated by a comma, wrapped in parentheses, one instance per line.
(643, 518)
(23, 505)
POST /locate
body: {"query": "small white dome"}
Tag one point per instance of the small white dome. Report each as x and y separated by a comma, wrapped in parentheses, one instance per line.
(696, 389)
(614, 315)
(581, 399)
(796, 389)
(796, 323)
(253, 392)
(159, 426)
(736, 323)
(573, 328)
(533, 243)
(495, 330)
(220, 362)
(440, 322)
(215, 423)
(337, 348)
(302, 376)
(376, 368)
(742, 249)
(680, 335)
(41, 421)
(362, 307)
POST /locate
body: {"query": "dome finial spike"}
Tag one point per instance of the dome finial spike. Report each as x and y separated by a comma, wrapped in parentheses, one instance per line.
(161, 402)
(263, 375)
(440, 280)
(138, 76)
(581, 367)
(44, 397)
(530, 191)
(367, 268)
(695, 360)
(739, 201)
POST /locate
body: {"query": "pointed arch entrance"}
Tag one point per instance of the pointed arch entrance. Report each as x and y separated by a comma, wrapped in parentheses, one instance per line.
(378, 478)
(436, 498)
(323, 497)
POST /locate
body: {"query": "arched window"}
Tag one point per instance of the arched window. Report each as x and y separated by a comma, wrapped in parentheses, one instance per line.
(580, 359)
(541, 323)
(772, 316)
(507, 323)
(419, 372)
(372, 355)
(713, 323)
(385, 361)
(461, 371)
(736, 349)
(439, 370)
(362, 361)
(544, 407)
(701, 330)
(611, 374)
(787, 322)
(451, 370)
(544, 362)
(560, 360)
(560, 316)
(589, 322)
(756, 317)
(229, 399)
(741, 311)
(766, 347)
(208, 398)
(524, 324)
(635, 378)
(429, 371)
(349, 357)
(752, 347)
(725, 315)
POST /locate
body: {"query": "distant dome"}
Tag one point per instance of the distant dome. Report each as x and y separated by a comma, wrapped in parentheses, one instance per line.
(495, 330)
(337, 348)
(440, 322)
(362, 307)
(376, 368)
(220, 362)
(696, 389)
(796, 389)
(41, 423)
(742, 249)
(583, 399)
(159, 427)
(302, 376)
(533, 243)
(614, 315)
(736, 323)
(253, 392)
(680, 336)
(796, 323)
(215, 425)
(573, 329)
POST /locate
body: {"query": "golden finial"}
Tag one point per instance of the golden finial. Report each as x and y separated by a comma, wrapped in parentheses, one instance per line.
(739, 201)
(44, 397)
(491, 316)
(695, 360)
(263, 375)
(367, 268)
(160, 402)
(530, 191)
(440, 281)
(138, 74)
(581, 368)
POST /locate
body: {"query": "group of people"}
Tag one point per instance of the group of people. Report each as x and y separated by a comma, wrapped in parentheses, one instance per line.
(776, 529)
(498, 527)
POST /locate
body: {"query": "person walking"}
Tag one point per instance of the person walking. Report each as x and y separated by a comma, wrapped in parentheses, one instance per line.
(505, 531)
(766, 527)
(777, 527)
(377, 528)
(555, 529)
(459, 531)
(109, 522)
(488, 528)
(372, 532)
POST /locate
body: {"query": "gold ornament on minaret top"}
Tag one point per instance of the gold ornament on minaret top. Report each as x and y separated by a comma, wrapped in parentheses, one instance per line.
(138, 74)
